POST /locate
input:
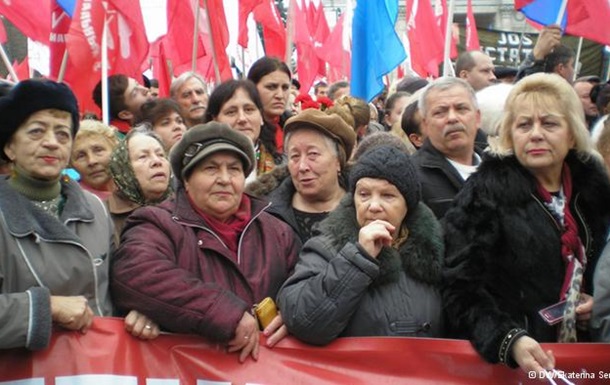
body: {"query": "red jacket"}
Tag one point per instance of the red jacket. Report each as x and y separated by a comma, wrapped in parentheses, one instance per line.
(171, 267)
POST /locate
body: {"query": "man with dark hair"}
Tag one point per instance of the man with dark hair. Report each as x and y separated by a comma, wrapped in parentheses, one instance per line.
(549, 56)
(583, 86)
(125, 97)
(154, 88)
(338, 89)
(320, 90)
(476, 68)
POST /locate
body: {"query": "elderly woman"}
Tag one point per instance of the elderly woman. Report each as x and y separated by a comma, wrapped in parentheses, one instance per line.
(272, 79)
(91, 151)
(164, 116)
(56, 238)
(237, 103)
(317, 146)
(375, 270)
(199, 262)
(141, 172)
(527, 229)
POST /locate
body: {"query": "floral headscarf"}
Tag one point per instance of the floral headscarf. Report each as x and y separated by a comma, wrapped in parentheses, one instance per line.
(124, 176)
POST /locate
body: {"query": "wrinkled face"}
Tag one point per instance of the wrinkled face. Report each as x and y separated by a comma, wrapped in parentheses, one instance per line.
(541, 138)
(451, 120)
(170, 129)
(482, 74)
(193, 101)
(150, 165)
(274, 89)
(41, 146)
(136, 95)
(394, 115)
(583, 89)
(313, 164)
(216, 184)
(90, 157)
(242, 115)
(379, 199)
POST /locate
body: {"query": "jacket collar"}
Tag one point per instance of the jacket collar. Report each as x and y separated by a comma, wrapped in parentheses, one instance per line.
(23, 217)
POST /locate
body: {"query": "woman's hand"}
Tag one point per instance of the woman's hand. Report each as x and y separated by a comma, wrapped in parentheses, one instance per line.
(139, 325)
(375, 235)
(72, 313)
(528, 353)
(275, 331)
(246, 338)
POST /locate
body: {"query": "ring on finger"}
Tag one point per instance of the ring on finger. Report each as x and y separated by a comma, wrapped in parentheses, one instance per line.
(148, 326)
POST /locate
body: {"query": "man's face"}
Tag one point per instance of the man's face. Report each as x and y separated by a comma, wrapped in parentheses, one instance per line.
(583, 89)
(451, 121)
(154, 92)
(322, 92)
(135, 95)
(566, 71)
(193, 101)
(482, 74)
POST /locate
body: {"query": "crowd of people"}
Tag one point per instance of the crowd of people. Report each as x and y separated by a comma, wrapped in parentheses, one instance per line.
(459, 207)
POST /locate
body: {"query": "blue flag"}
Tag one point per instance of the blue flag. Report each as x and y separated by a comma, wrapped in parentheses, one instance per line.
(68, 6)
(376, 47)
(545, 12)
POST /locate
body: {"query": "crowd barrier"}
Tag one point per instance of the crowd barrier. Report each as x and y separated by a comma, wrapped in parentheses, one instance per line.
(108, 355)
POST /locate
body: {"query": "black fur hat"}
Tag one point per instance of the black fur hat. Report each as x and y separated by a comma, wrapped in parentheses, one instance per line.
(393, 165)
(30, 96)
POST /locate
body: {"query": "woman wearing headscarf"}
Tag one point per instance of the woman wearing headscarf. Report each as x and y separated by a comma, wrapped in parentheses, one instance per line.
(526, 231)
(199, 262)
(56, 239)
(317, 146)
(374, 269)
(141, 172)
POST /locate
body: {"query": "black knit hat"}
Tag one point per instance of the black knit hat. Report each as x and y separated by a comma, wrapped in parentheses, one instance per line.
(203, 140)
(30, 96)
(393, 165)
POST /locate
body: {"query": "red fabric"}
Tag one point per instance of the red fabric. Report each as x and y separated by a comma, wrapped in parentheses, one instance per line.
(571, 246)
(274, 31)
(60, 25)
(307, 63)
(245, 9)
(159, 67)
(220, 36)
(230, 230)
(332, 51)
(472, 36)
(179, 38)
(441, 20)
(31, 17)
(318, 26)
(279, 135)
(425, 39)
(22, 70)
(3, 37)
(122, 126)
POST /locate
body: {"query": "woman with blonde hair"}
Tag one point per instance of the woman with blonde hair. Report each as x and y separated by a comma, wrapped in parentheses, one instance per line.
(526, 231)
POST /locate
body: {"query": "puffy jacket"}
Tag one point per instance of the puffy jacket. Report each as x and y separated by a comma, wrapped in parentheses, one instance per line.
(173, 268)
(338, 290)
(42, 256)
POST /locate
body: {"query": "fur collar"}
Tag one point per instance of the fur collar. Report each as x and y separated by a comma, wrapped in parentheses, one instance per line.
(420, 257)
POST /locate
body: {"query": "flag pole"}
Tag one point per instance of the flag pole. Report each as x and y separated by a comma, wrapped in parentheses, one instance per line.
(289, 31)
(62, 67)
(8, 64)
(214, 58)
(562, 12)
(105, 112)
(447, 67)
(577, 60)
(195, 35)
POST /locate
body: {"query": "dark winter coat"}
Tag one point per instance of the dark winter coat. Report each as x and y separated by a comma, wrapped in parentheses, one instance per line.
(338, 290)
(173, 268)
(503, 258)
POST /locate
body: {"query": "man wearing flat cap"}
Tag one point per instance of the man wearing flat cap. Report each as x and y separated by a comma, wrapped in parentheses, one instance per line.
(198, 263)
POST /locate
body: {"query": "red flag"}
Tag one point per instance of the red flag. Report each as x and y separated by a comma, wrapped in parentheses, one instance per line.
(220, 37)
(441, 20)
(425, 39)
(318, 26)
(159, 67)
(22, 70)
(335, 54)
(245, 9)
(178, 43)
(472, 36)
(60, 25)
(274, 32)
(31, 17)
(307, 66)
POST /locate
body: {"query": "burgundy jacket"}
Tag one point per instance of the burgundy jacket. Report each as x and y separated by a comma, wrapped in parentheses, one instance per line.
(171, 267)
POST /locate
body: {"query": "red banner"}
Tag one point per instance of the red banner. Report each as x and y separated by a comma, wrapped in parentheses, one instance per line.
(108, 355)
